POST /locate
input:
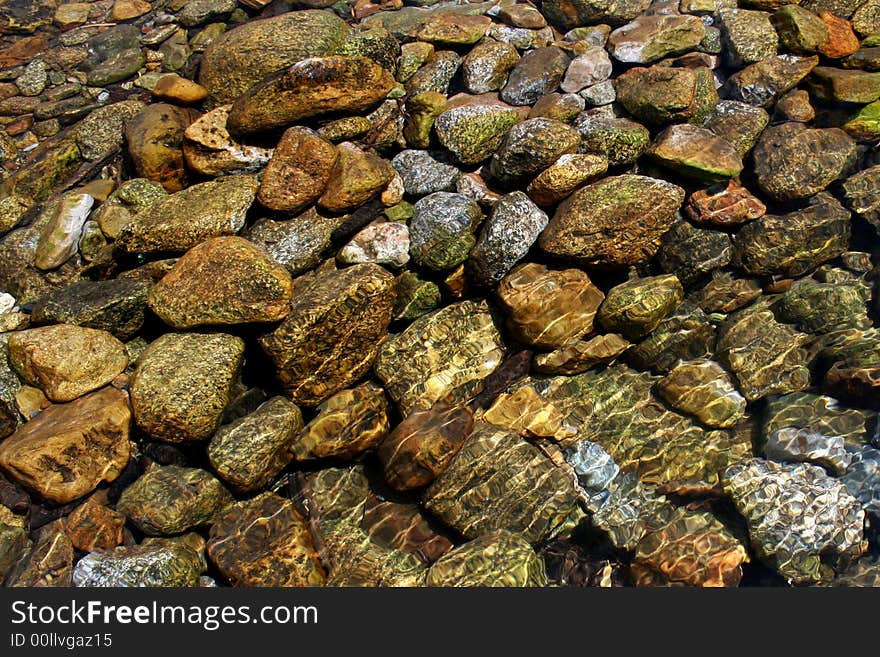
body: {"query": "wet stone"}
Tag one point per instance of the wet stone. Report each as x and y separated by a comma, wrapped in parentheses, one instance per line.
(587, 69)
(49, 563)
(817, 307)
(356, 177)
(14, 544)
(861, 480)
(415, 297)
(703, 389)
(804, 446)
(580, 355)
(800, 30)
(748, 35)
(423, 174)
(564, 176)
(154, 137)
(159, 563)
(441, 230)
(95, 527)
(297, 244)
(763, 82)
(620, 140)
(815, 414)
(696, 152)
(530, 147)
(649, 38)
(686, 333)
(486, 66)
(693, 252)
(539, 72)
(382, 243)
(498, 559)
(209, 149)
(724, 205)
(562, 107)
(660, 95)
(634, 308)
(472, 128)
(436, 75)
(404, 527)
(862, 195)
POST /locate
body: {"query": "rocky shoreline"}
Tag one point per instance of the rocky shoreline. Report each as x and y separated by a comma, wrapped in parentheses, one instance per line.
(416, 293)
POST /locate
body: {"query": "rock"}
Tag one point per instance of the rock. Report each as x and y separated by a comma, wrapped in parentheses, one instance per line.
(560, 107)
(124, 10)
(568, 14)
(844, 86)
(614, 222)
(815, 414)
(686, 333)
(436, 75)
(49, 563)
(763, 82)
(547, 308)
(113, 56)
(404, 527)
(299, 244)
(333, 332)
(243, 56)
(183, 383)
(748, 35)
(14, 545)
(103, 130)
(703, 389)
(249, 452)
(473, 127)
(530, 147)
(854, 374)
(816, 307)
(860, 478)
(498, 558)
(356, 177)
(661, 95)
(66, 361)
(312, 87)
(210, 150)
(795, 106)
(794, 243)
(738, 123)
(486, 66)
(580, 355)
(539, 72)
(382, 243)
(128, 199)
(650, 38)
(766, 356)
(862, 195)
(415, 297)
(452, 29)
(116, 306)
(691, 252)
(225, 280)
(423, 174)
(588, 68)
(620, 140)
(443, 355)
(60, 236)
(809, 514)
(159, 563)
(803, 446)
(71, 14)
(800, 30)
(184, 219)
(636, 307)
(441, 230)
(155, 143)
(506, 237)
(95, 527)
(169, 500)
(67, 450)
(729, 205)
(565, 175)
(264, 541)
(422, 110)
(197, 12)
(696, 152)
(541, 501)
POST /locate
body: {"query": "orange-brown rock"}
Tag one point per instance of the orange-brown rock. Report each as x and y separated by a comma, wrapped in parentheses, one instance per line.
(724, 205)
(155, 144)
(95, 527)
(842, 41)
(357, 176)
(176, 89)
(298, 172)
(209, 149)
(404, 527)
(580, 355)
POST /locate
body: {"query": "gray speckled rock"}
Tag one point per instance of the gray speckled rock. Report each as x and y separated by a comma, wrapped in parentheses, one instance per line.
(441, 230)
(298, 244)
(486, 66)
(422, 174)
(587, 69)
(539, 72)
(748, 36)
(804, 446)
(529, 148)
(162, 563)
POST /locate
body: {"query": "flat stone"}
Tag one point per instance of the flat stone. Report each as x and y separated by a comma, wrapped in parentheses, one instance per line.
(209, 149)
(423, 174)
(95, 527)
(529, 148)
(159, 563)
(748, 35)
(60, 236)
(703, 389)
(586, 69)
(696, 153)
(763, 82)
(155, 143)
(197, 12)
(561, 107)
(564, 176)
(581, 354)
(728, 205)
(800, 30)
(691, 252)
(443, 28)
(844, 85)
(404, 527)
(103, 130)
(816, 307)
(498, 559)
(649, 38)
(803, 446)
(636, 307)
(128, 199)
(659, 95)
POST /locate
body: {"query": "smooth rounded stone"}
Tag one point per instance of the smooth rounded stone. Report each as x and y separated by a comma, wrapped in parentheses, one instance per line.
(113, 56)
(539, 500)
(415, 297)
(404, 527)
(530, 147)
(473, 127)
(658, 95)
(243, 56)
(842, 40)
(696, 153)
(620, 140)
(49, 563)
(748, 36)
(264, 541)
(792, 445)
(421, 447)
(413, 56)
(792, 244)
(345, 129)
(862, 195)
(67, 450)
(176, 89)
(865, 20)
(14, 545)
(798, 516)
(614, 222)
(375, 43)
(580, 355)
(333, 332)
(60, 236)
(816, 307)
(159, 563)
(763, 82)
(382, 243)
(800, 30)
(197, 12)
(703, 389)
(66, 361)
(168, 500)
(128, 199)
(12, 208)
(724, 205)
(843, 85)
(816, 414)
(183, 382)
(103, 129)
(298, 244)
(347, 424)
(249, 452)
(636, 307)
(423, 174)
(866, 58)
(223, 281)
(547, 308)
(186, 218)
(95, 527)
(505, 238)
(685, 334)
(690, 252)
(864, 573)
(586, 69)
(436, 75)
(854, 374)
(649, 38)
(356, 177)
(766, 356)
(561, 107)
(564, 176)
(486, 66)
(537, 73)
(209, 149)
(312, 87)
(499, 559)
(445, 28)
(116, 306)
(602, 93)
(441, 230)
(445, 355)
(154, 138)
(568, 14)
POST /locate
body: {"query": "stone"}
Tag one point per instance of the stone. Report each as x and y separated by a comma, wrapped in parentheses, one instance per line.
(356, 177)
(155, 138)
(422, 110)
(800, 30)
(251, 451)
(197, 12)
(586, 69)
(60, 236)
(182, 384)
(529, 148)
(691, 253)
(498, 559)
(311, 87)
(748, 36)
(547, 308)
(815, 414)
(795, 106)
(614, 222)
(297, 244)
(685, 334)
(844, 85)
(808, 514)
(696, 152)
(862, 194)
(864, 124)
(14, 545)
(660, 95)
(186, 218)
(486, 67)
(441, 230)
(423, 174)
(124, 10)
(649, 38)
(537, 73)
(210, 150)
(443, 28)
(703, 389)
(819, 308)
(445, 355)
(415, 297)
(103, 130)
(66, 361)
(223, 281)
(860, 478)
(436, 74)
(738, 123)
(540, 500)
(128, 199)
(49, 563)
(264, 541)
(333, 332)
(636, 307)
(802, 446)
(176, 89)
(95, 527)
(568, 14)
(113, 56)
(243, 56)
(382, 243)
(506, 237)
(404, 527)
(763, 82)
(621, 141)
(564, 176)
(561, 107)
(347, 424)
(168, 500)
(71, 14)
(159, 563)
(581, 354)
(473, 127)
(67, 450)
